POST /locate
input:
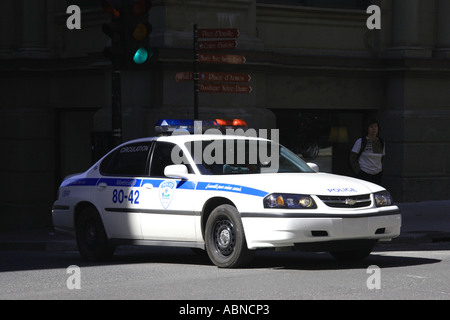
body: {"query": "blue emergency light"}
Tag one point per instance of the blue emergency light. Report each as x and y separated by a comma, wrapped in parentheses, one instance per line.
(172, 124)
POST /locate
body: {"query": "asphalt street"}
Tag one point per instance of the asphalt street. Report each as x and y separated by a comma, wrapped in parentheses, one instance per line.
(42, 264)
(413, 271)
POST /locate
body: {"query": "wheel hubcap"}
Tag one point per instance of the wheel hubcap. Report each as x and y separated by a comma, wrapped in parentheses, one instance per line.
(90, 234)
(224, 237)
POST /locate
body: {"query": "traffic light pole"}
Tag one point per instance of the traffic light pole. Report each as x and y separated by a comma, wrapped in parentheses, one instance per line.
(129, 32)
(116, 106)
(196, 74)
(116, 87)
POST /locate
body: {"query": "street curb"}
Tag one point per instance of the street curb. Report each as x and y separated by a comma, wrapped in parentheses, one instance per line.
(39, 246)
(25, 246)
(421, 237)
(41, 239)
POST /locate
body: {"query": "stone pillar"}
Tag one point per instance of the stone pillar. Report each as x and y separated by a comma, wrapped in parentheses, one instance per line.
(409, 28)
(443, 29)
(7, 34)
(33, 29)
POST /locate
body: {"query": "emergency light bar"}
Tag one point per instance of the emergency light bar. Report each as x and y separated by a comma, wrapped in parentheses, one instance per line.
(168, 126)
(231, 123)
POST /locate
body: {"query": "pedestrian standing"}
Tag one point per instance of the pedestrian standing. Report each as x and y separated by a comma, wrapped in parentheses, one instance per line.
(367, 155)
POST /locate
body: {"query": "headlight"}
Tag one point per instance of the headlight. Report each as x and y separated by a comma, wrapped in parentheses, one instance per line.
(383, 198)
(289, 201)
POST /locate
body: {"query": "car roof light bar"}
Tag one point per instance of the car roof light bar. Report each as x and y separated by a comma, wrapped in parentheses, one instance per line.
(168, 126)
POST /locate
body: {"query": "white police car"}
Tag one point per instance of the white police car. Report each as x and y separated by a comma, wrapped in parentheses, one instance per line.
(227, 194)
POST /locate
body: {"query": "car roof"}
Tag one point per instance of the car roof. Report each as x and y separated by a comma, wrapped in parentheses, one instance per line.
(182, 138)
(198, 137)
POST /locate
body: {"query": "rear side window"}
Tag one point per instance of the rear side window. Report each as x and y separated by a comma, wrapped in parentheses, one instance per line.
(128, 160)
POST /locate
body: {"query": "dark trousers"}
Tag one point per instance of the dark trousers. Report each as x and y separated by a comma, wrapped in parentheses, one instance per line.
(374, 178)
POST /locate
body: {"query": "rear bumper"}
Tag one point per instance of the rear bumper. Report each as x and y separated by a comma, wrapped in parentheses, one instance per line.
(62, 217)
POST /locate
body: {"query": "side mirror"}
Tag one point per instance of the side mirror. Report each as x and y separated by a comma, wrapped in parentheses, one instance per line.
(177, 171)
(313, 166)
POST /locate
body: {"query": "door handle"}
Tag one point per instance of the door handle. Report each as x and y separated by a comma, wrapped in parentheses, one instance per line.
(102, 186)
(147, 186)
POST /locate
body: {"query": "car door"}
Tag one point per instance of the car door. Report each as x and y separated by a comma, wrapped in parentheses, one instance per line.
(169, 212)
(119, 191)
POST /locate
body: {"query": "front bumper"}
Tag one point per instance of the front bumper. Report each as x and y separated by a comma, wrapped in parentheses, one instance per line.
(284, 228)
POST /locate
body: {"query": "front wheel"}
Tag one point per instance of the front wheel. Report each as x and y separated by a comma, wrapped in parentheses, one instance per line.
(225, 239)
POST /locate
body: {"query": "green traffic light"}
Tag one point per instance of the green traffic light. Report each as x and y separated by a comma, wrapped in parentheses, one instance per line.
(142, 55)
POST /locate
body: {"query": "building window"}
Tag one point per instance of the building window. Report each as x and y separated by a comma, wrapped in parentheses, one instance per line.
(341, 4)
(85, 4)
(344, 4)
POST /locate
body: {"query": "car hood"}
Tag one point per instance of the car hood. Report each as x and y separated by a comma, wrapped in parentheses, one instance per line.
(301, 183)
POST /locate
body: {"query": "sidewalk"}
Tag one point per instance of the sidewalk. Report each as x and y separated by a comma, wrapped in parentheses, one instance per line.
(42, 239)
(422, 222)
(426, 221)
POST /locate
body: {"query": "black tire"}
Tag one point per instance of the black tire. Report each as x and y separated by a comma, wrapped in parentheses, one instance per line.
(91, 237)
(356, 254)
(225, 239)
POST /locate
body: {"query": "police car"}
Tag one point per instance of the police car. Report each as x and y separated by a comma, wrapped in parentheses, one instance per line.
(225, 193)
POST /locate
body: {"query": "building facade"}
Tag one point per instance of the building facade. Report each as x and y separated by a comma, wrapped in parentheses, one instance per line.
(309, 61)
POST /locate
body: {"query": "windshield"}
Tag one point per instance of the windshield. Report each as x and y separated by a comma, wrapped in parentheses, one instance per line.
(239, 156)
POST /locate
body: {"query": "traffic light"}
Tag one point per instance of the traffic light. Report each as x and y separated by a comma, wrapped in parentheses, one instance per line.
(138, 30)
(115, 30)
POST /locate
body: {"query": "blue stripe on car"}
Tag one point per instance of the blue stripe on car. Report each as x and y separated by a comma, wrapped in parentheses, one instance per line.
(213, 186)
(183, 184)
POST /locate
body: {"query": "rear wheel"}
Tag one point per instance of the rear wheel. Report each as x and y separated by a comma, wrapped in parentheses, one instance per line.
(225, 239)
(92, 241)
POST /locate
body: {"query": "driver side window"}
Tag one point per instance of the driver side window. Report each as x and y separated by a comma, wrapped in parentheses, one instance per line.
(161, 158)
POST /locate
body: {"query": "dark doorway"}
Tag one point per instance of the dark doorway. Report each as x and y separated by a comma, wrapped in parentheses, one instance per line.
(324, 137)
(73, 141)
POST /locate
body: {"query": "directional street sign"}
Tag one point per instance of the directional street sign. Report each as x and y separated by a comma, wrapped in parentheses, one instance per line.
(217, 45)
(225, 77)
(221, 58)
(214, 76)
(218, 33)
(215, 82)
(184, 76)
(225, 88)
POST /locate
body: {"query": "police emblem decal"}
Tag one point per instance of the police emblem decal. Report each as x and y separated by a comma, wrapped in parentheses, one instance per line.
(166, 191)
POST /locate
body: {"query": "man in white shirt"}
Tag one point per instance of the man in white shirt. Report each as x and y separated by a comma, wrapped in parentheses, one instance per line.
(367, 155)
